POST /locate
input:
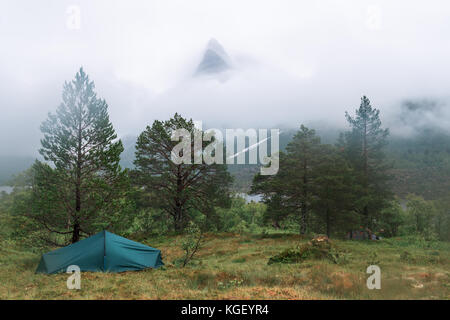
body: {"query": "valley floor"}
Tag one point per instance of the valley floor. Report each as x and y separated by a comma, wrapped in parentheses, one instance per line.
(233, 266)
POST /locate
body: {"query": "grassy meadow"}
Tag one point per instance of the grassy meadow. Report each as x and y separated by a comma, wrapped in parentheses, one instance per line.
(234, 266)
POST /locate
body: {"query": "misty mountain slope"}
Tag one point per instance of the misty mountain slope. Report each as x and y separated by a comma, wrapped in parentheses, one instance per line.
(12, 165)
(421, 164)
(422, 116)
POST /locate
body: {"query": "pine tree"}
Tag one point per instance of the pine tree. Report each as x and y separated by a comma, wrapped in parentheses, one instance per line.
(273, 190)
(303, 151)
(178, 189)
(364, 149)
(291, 190)
(82, 189)
(333, 191)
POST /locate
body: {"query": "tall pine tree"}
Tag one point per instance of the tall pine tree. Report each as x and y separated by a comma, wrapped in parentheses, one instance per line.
(333, 191)
(178, 189)
(83, 189)
(364, 149)
(291, 191)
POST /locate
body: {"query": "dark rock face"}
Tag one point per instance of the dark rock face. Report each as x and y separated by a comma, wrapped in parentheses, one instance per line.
(215, 59)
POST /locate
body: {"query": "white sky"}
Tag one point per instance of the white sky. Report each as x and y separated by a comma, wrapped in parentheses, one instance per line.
(296, 61)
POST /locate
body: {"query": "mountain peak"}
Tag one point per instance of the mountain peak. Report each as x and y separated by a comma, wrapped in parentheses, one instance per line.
(215, 59)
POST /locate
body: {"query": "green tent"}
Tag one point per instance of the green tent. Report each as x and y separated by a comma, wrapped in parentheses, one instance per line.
(103, 251)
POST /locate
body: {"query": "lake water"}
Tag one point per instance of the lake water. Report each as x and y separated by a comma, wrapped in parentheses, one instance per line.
(7, 189)
(249, 198)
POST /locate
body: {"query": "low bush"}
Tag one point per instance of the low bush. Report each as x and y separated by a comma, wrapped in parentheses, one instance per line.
(316, 249)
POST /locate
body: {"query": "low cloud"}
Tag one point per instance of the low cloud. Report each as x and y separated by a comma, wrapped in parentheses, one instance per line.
(293, 62)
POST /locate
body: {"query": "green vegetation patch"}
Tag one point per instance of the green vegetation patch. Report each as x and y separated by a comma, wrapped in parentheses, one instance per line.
(319, 248)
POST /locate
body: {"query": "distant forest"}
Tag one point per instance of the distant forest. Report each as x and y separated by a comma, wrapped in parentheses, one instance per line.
(421, 163)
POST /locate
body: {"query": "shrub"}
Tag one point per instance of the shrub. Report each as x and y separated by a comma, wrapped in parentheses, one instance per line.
(191, 243)
(316, 249)
(287, 256)
(339, 256)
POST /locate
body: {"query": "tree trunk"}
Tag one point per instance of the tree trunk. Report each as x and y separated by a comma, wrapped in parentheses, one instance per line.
(328, 222)
(76, 232)
(178, 214)
(76, 225)
(178, 220)
(366, 221)
(366, 169)
(304, 209)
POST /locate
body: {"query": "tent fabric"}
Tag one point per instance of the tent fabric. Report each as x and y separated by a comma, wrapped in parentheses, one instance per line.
(102, 252)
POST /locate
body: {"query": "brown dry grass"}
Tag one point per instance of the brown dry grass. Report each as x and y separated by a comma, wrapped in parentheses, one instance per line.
(232, 266)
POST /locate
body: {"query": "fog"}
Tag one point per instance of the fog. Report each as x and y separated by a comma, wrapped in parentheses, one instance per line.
(292, 62)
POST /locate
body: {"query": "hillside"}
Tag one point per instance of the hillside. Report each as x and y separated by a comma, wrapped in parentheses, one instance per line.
(11, 165)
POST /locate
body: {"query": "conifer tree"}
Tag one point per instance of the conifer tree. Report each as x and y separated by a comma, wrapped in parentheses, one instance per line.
(291, 190)
(363, 147)
(81, 188)
(333, 191)
(178, 189)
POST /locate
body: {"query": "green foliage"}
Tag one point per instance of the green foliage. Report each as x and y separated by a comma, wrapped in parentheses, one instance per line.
(364, 148)
(442, 217)
(420, 215)
(287, 256)
(324, 186)
(417, 241)
(178, 188)
(390, 220)
(241, 217)
(317, 249)
(191, 243)
(334, 192)
(421, 161)
(84, 190)
(150, 222)
(290, 192)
